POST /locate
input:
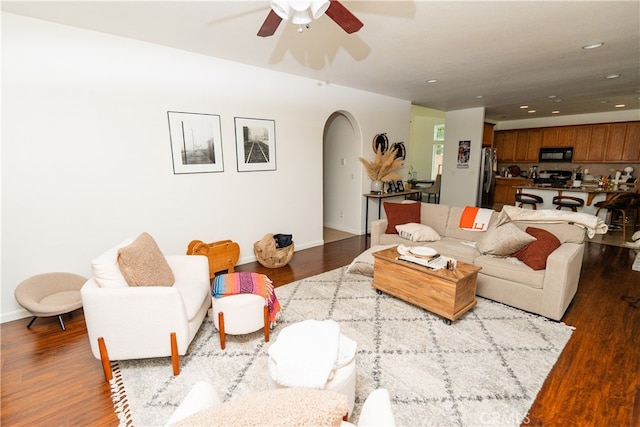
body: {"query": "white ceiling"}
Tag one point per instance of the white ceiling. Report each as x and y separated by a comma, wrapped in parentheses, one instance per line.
(511, 53)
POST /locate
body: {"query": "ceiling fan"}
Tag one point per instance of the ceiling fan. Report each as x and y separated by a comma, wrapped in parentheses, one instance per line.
(302, 11)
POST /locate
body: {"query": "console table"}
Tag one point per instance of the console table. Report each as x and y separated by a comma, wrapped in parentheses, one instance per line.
(369, 196)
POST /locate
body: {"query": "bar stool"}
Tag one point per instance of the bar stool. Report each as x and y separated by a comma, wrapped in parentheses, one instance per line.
(528, 199)
(570, 202)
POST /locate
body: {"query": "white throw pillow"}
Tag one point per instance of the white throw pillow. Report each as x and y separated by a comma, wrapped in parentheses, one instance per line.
(105, 268)
(504, 240)
(417, 232)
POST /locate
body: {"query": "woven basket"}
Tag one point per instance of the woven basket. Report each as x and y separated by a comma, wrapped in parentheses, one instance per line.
(280, 259)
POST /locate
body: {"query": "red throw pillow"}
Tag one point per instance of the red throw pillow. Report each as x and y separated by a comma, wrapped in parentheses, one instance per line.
(401, 213)
(535, 253)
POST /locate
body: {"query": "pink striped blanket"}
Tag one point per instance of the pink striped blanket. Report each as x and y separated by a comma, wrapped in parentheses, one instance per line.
(247, 283)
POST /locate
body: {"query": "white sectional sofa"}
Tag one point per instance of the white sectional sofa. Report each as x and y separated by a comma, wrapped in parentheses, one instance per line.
(547, 292)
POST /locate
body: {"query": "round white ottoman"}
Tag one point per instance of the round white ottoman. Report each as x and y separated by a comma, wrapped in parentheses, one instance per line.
(240, 314)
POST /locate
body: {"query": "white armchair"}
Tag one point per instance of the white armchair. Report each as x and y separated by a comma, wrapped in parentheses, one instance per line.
(139, 322)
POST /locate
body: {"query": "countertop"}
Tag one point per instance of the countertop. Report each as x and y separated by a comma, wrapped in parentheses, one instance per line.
(591, 190)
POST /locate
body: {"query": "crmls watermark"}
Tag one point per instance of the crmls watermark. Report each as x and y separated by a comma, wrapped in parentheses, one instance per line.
(500, 418)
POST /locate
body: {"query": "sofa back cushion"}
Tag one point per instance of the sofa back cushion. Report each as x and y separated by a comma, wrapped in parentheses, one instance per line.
(453, 225)
(566, 233)
(435, 216)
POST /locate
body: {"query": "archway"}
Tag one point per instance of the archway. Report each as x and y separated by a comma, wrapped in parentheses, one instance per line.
(342, 176)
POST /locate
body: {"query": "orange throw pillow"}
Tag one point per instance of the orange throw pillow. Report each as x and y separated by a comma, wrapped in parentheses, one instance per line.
(535, 253)
(401, 213)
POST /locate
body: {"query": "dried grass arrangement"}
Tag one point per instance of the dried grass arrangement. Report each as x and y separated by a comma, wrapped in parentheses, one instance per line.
(383, 166)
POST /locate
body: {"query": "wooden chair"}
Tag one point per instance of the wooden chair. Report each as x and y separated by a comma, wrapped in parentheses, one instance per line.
(434, 190)
(570, 202)
(528, 199)
(620, 203)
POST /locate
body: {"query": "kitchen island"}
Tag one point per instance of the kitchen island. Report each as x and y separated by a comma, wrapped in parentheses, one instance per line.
(591, 194)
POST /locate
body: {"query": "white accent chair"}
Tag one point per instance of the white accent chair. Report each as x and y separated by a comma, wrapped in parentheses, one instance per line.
(126, 322)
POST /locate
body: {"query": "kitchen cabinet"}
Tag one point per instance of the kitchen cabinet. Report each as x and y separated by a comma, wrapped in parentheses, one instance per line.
(623, 143)
(590, 143)
(487, 135)
(522, 143)
(505, 193)
(505, 144)
(533, 147)
(550, 137)
(597, 143)
(566, 136)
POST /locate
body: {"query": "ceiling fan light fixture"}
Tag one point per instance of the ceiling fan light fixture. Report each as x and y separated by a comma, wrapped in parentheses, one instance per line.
(319, 7)
(282, 8)
(301, 17)
(300, 5)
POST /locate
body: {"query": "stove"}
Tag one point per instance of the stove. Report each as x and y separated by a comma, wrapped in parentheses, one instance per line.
(556, 179)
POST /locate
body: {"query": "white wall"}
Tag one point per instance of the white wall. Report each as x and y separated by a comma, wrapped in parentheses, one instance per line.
(459, 186)
(420, 148)
(86, 158)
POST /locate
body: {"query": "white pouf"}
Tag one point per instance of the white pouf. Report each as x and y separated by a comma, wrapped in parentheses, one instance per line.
(241, 314)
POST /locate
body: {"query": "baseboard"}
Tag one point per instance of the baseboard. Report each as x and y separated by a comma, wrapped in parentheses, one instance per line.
(14, 315)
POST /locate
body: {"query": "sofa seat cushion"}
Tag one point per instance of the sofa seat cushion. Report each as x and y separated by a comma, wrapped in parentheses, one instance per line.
(510, 269)
(461, 250)
(395, 239)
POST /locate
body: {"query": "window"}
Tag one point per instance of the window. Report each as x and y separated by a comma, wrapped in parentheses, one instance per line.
(438, 132)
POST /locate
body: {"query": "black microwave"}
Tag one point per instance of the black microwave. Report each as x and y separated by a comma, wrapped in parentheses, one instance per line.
(556, 154)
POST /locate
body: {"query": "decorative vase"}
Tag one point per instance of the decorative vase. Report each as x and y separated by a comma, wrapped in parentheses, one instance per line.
(377, 186)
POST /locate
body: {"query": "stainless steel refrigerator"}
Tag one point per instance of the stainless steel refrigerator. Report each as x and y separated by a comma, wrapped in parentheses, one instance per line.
(488, 170)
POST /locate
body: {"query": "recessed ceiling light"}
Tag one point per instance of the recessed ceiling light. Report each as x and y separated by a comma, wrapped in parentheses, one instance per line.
(555, 112)
(524, 106)
(593, 45)
(432, 80)
(557, 100)
(604, 102)
(620, 105)
(531, 111)
(612, 76)
(479, 96)
(551, 96)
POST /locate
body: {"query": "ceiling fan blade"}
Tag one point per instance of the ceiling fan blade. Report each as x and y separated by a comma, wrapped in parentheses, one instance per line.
(345, 19)
(270, 24)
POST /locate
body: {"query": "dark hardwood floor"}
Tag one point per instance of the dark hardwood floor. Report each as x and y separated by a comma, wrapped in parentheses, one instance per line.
(50, 377)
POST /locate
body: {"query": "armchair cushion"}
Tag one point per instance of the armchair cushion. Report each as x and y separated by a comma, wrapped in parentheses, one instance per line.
(105, 269)
(143, 264)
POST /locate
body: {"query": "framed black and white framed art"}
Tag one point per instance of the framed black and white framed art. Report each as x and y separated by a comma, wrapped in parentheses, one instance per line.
(196, 142)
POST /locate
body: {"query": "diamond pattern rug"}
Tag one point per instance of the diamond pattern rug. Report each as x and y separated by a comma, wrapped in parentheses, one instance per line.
(484, 369)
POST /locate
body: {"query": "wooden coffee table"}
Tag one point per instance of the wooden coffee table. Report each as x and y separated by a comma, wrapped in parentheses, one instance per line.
(446, 293)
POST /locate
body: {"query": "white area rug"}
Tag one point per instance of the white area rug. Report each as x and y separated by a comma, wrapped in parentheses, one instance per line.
(484, 369)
